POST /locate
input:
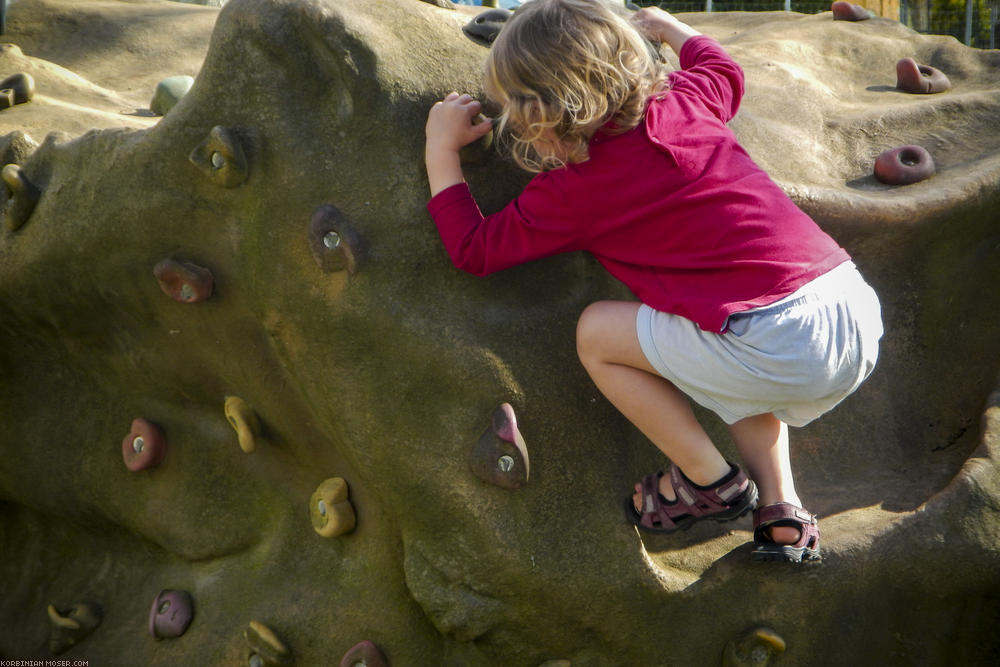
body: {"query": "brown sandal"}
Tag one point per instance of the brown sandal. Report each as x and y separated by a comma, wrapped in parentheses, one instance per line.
(730, 498)
(785, 514)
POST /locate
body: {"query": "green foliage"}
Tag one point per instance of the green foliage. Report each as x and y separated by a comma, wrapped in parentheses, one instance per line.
(948, 18)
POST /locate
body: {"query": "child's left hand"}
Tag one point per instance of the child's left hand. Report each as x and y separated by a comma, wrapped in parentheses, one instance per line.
(449, 123)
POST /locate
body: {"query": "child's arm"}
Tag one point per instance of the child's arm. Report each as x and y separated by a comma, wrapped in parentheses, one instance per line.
(449, 127)
(657, 25)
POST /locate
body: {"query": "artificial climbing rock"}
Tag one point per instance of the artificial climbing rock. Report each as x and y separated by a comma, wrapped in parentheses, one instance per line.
(388, 376)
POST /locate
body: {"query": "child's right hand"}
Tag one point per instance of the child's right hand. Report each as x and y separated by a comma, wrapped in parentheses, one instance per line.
(450, 123)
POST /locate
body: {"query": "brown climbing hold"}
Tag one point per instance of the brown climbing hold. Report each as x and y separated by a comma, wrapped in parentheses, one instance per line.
(365, 654)
(500, 456)
(334, 245)
(171, 614)
(920, 79)
(264, 648)
(221, 157)
(244, 421)
(22, 85)
(846, 11)
(754, 648)
(904, 165)
(21, 196)
(144, 446)
(331, 512)
(71, 626)
(183, 281)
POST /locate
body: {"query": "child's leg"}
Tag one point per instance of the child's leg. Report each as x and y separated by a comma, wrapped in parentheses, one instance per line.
(762, 441)
(608, 347)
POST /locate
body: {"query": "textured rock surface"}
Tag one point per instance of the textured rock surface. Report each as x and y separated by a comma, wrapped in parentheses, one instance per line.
(367, 357)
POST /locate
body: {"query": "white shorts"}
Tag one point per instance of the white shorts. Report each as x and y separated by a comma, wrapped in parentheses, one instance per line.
(796, 358)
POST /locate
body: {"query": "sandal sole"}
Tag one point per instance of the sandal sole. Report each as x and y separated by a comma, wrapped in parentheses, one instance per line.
(786, 554)
(745, 506)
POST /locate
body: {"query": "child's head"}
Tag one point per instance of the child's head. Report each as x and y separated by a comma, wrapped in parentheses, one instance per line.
(561, 69)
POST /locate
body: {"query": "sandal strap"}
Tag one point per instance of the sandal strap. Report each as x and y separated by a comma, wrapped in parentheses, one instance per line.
(698, 502)
(785, 514)
(769, 514)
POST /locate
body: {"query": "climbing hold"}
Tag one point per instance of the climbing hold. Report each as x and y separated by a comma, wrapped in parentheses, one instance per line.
(264, 648)
(904, 165)
(71, 626)
(245, 422)
(184, 281)
(364, 654)
(222, 158)
(21, 196)
(500, 456)
(331, 512)
(920, 79)
(477, 151)
(170, 614)
(144, 446)
(169, 92)
(753, 648)
(334, 245)
(846, 11)
(22, 85)
(485, 26)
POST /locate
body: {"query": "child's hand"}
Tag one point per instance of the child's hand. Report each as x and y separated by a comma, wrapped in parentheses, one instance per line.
(659, 26)
(450, 126)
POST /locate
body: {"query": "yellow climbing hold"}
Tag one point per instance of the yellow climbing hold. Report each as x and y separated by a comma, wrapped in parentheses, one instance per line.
(244, 421)
(331, 512)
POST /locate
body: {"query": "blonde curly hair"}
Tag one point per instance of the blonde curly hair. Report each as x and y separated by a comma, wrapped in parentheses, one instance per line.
(561, 70)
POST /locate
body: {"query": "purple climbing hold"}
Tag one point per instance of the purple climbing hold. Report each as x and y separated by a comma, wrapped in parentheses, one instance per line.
(171, 614)
(920, 79)
(364, 653)
(500, 456)
(904, 165)
(144, 446)
(846, 11)
(183, 281)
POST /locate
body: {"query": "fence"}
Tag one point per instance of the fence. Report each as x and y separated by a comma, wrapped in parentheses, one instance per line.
(972, 22)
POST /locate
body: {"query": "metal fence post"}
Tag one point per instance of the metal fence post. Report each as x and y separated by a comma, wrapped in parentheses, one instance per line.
(968, 22)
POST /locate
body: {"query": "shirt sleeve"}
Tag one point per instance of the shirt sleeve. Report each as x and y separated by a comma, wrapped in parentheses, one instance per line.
(535, 225)
(710, 73)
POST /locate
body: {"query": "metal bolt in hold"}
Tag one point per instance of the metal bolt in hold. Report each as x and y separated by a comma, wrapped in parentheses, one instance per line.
(138, 444)
(331, 240)
(218, 160)
(322, 508)
(505, 463)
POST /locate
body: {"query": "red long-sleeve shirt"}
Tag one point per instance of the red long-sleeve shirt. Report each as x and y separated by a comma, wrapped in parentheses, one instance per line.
(674, 208)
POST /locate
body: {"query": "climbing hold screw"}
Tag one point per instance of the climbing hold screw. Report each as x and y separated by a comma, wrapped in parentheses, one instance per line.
(218, 160)
(505, 463)
(331, 240)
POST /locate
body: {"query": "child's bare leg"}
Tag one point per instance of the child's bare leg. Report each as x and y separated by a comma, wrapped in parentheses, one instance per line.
(609, 349)
(762, 441)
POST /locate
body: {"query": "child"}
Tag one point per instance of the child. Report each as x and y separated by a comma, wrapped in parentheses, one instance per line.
(747, 307)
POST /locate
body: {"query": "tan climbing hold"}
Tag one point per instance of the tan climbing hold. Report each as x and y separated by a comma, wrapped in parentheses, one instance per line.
(265, 648)
(753, 648)
(331, 512)
(244, 421)
(71, 626)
